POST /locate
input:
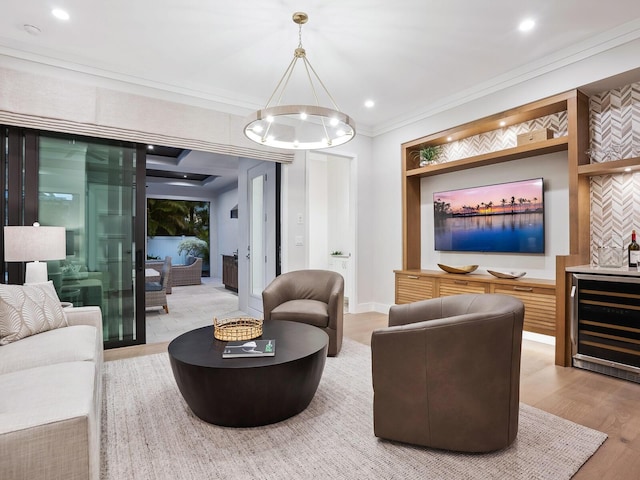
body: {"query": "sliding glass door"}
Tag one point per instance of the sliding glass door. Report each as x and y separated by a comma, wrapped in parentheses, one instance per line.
(89, 187)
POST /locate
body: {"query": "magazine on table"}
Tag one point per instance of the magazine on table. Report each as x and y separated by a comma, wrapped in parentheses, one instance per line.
(250, 348)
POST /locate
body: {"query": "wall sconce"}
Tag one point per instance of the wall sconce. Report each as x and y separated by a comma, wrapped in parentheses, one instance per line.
(34, 245)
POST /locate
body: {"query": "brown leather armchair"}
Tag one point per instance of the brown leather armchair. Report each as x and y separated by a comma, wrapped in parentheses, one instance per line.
(446, 372)
(315, 297)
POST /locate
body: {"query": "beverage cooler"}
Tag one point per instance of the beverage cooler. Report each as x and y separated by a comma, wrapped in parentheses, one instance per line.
(605, 330)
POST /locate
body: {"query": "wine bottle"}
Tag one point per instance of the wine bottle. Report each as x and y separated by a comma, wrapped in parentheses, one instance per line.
(634, 251)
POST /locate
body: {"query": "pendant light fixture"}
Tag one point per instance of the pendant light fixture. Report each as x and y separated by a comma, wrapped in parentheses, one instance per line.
(301, 127)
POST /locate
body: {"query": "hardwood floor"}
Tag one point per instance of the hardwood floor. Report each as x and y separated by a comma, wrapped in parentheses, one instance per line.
(597, 401)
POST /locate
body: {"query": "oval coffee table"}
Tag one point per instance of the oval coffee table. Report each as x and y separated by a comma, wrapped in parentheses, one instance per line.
(248, 392)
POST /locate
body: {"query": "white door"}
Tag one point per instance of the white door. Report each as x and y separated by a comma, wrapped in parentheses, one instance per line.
(257, 233)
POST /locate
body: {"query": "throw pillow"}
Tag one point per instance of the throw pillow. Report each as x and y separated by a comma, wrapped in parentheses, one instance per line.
(29, 309)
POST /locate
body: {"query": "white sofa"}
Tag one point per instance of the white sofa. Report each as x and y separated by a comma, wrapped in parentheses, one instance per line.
(51, 401)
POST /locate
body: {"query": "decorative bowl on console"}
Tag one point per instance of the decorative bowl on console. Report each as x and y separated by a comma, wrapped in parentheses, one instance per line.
(465, 269)
(507, 275)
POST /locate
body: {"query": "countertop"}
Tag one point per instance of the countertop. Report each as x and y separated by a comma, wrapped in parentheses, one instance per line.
(622, 271)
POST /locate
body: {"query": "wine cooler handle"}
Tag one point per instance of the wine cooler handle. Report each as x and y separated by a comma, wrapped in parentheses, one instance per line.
(523, 289)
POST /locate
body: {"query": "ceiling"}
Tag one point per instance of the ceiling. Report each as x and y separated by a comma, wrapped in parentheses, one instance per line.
(411, 57)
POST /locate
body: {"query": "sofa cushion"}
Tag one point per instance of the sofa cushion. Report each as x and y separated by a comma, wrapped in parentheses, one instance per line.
(312, 312)
(74, 343)
(48, 422)
(29, 309)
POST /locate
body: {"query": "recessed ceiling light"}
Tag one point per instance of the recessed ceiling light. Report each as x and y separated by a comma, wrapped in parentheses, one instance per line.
(449, 139)
(369, 103)
(526, 25)
(60, 14)
(628, 169)
(503, 123)
(149, 147)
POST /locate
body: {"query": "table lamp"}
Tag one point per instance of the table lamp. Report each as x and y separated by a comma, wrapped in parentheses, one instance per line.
(34, 245)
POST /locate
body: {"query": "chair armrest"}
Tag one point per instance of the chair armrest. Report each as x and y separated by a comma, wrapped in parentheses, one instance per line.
(335, 305)
(415, 312)
(89, 315)
(272, 296)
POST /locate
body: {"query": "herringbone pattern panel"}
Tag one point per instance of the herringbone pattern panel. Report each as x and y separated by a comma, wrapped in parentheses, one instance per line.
(614, 125)
(502, 138)
(615, 210)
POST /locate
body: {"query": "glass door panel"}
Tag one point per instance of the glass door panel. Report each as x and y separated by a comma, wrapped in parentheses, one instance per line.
(89, 188)
(257, 236)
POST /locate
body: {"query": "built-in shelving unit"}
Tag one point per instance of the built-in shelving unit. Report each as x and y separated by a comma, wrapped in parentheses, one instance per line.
(575, 143)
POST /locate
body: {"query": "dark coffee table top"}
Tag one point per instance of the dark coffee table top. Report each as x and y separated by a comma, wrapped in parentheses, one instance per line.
(293, 341)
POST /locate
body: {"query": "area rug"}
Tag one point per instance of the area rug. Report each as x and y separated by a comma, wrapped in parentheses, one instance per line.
(149, 433)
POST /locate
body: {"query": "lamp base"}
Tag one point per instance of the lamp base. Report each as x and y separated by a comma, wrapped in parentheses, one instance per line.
(36, 272)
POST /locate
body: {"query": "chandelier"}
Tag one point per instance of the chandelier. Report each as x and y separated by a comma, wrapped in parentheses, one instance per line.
(302, 127)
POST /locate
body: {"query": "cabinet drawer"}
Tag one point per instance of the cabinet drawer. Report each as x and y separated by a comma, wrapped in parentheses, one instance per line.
(539, 307)
(455, 287)
(411, 288)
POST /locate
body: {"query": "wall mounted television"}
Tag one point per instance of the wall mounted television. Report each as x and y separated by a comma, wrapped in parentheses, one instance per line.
(501, 218)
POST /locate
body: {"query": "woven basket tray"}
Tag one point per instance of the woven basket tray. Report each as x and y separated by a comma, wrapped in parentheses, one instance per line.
(240, 328)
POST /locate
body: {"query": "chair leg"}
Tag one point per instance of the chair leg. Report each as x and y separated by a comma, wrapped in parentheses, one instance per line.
(166, 308)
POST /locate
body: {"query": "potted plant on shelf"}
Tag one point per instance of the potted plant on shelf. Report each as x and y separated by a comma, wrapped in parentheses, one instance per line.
(427, 154)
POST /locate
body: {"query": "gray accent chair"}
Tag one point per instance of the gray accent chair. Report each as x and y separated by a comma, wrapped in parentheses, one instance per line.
(188, 274)
(155, 293)
(181, 275)
(446, 372)
(315, 297)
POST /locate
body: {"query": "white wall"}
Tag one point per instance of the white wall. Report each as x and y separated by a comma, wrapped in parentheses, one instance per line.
(320, 213)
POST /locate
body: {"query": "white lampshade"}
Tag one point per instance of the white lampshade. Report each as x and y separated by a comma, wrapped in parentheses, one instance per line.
(34, 244)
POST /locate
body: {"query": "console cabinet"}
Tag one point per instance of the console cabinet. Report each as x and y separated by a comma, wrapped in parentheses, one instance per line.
(230, 272)
(538, 295)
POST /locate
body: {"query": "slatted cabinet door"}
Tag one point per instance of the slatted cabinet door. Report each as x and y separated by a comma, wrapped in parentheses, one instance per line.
(539, 306)
(450, 286)
(413, 287)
